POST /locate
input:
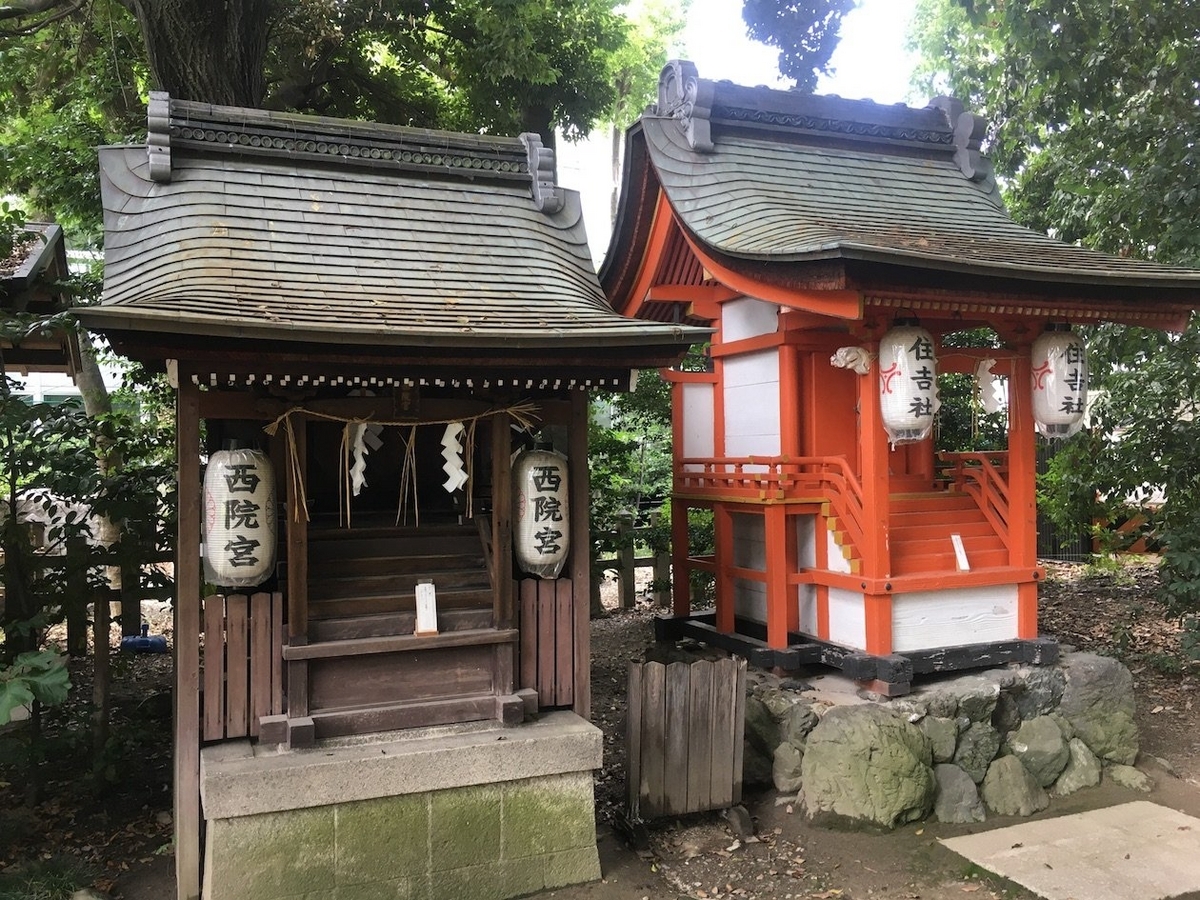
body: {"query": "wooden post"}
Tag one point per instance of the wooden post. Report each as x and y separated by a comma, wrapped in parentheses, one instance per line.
(782, 610)
(662, 569)
(681, 588)
(297, 537)
(626, 563)
(580, 540)
(1022, 487)
(876, 485)
(187, 645)
(131, 595)
(723, 559)
(76, 597)
(789, 401)
(503, 614)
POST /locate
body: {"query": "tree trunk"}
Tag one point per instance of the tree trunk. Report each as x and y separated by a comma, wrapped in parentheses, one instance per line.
(213, 51)
(537, 118)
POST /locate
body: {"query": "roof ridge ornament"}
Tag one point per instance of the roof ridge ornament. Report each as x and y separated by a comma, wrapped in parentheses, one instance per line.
(969, 131)
(685, 97)
(158, 135)
(543, 174)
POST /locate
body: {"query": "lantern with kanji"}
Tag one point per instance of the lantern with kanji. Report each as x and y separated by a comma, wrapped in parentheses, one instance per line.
(239, 519)
(541, 518)
(907, 382)
(1060, 381)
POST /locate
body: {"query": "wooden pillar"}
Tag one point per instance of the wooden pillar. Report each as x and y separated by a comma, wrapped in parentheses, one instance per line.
(581, 573)
(297, 569)
(1022, 487)
(789, 401)
(722, 560)
(876, 486)
(681, 594)
(503, 614)
(782, 611)
(187, 645)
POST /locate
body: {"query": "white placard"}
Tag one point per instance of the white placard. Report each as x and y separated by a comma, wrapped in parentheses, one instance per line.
(426, 609)
(960, 553)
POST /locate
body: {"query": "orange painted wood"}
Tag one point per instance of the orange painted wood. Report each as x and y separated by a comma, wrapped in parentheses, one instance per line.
(1027, 610)
(778, 567)
(790, 435)
(748, 345)
(691, 293)
(188, 822)
(214, 668)
(1022, 488)
(822, 595)
(674, 376)
(260, 659)
(661, 227)
(723, 539)
(875, 480)
(237, 686)
(581, 567)
(681, 602)
(564, 644)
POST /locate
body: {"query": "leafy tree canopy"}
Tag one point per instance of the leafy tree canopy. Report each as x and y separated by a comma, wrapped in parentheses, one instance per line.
(805, 31)
(1095, 109)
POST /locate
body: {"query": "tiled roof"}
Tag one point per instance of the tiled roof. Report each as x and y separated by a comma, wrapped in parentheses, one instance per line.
(760, 174)
(290, 228)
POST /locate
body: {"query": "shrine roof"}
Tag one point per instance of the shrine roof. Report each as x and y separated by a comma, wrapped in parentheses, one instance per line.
(249, 224)
(761, 176)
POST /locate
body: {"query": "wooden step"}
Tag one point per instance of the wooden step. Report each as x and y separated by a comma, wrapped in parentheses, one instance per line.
(931, 501)
(929, 543)
(391, 564)
(328, 588)
(915, 531)
(920, 564)
(370, 605)
(345, 628)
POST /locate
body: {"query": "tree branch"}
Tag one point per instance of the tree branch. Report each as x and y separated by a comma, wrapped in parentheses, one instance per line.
(63, 8)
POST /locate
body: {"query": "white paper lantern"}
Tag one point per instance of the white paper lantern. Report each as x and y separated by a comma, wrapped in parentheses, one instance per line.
(907, 383)
(239, 519)
(1060, 381)
(541, 514)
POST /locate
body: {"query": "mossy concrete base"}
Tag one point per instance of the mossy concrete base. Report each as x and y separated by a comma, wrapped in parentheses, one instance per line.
(486, 841)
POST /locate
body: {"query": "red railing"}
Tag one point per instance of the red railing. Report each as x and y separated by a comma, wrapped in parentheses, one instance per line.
(983, 477)
(818, 479)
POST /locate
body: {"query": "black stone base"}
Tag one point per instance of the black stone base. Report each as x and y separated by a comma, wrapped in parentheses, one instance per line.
(891, 674)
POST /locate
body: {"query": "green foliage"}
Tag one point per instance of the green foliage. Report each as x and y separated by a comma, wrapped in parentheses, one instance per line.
(806, 34)
(39, 675)
(1094, 116)
(56, 878)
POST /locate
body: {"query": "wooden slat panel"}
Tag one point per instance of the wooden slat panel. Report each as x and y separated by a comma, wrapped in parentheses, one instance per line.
(564, 644)
(675, 769)
(260, 659)
(188, 821)
(739, 726)
(214, 668)
(633, 740)
(700, 732)
(529, 633)
(545, 639)
(343, 682)
(276, 653)
(237, 686)
(723, 750)
(654, 696)
(581, 571)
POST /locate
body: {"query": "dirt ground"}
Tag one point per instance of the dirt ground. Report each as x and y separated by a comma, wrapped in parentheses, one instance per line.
(121, 828)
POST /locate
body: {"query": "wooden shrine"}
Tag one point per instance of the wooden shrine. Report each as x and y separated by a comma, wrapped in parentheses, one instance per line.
(33, 285)
(379, 316)
(821, 237)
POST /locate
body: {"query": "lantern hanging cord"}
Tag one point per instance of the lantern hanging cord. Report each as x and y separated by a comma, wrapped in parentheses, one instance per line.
(524, 414)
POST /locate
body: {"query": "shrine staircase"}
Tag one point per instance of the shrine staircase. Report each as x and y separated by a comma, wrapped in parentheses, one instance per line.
(922, 525)
(362, 580)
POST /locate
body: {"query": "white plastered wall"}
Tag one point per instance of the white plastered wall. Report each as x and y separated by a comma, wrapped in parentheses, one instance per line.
(698, 412)
(751, 388)
(749, 552)
(747, 318)
(847, 618)
(925, 620)
(806, 558)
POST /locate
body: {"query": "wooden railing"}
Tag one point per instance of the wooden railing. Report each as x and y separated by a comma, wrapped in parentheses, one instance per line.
(817, 479)
(983, 477)
(626, 537)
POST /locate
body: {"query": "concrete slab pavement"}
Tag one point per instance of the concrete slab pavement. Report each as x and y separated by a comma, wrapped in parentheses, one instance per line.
(1133, 851)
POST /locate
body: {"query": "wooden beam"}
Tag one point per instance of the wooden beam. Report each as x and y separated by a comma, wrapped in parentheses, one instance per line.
(661, 226)
(502, 511)
(690, 293)
(581, 570)
(876, 485)
(188, 814)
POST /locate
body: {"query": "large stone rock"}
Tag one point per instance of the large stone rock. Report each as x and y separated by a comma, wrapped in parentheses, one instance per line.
(977, 747)
(1129, 777)
(941, 703)
(1006, 717)
(1039, 690)
(977, 696)
(866, 765)
(777, 701)
(943, 737)
(1040, 747)
(786, 769)
(797, 723)
(1083, 770)
(957, 801)
(762, 736)
(1098, 702)
(1009, 790)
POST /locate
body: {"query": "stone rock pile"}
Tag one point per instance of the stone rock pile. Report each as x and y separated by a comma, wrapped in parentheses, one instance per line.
(1002, 741)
